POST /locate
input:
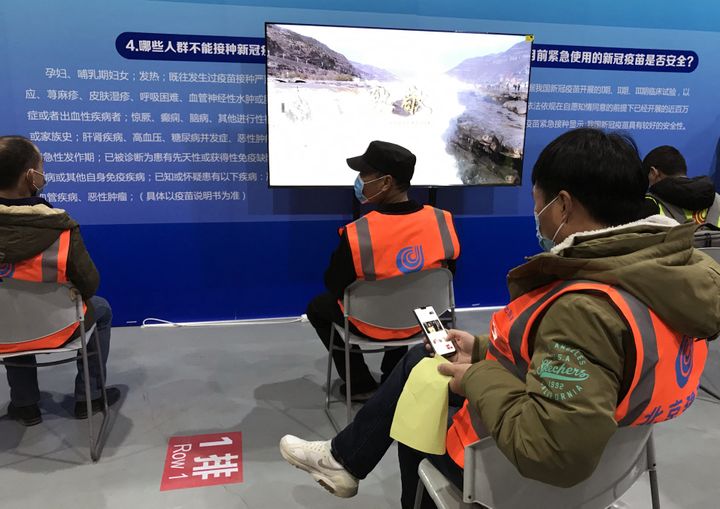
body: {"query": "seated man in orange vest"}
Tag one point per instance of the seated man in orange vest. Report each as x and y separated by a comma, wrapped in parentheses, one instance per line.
(38, 242)
(397, 238)
(606, 329)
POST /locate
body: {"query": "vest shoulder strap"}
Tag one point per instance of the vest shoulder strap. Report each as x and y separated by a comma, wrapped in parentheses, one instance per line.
(673, 211)
(361, 247)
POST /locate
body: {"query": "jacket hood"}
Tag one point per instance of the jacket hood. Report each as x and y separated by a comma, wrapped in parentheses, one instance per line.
(652, 259)
(26, 230)
(688, 193)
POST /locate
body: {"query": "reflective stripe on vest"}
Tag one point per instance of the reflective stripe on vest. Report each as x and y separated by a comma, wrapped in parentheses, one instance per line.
(384, 246)
(361, 247)
(667, 368)
(49, 266)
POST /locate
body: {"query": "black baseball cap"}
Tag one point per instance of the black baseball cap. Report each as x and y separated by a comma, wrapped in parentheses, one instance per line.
(387, 159)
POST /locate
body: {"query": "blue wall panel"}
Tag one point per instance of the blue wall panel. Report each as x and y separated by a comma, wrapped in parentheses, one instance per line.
(220, 271)
(271, 261)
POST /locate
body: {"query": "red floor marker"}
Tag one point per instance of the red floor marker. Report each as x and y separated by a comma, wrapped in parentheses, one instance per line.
(203, 460)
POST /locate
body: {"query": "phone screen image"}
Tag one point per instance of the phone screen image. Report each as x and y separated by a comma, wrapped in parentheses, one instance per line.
(434, 330)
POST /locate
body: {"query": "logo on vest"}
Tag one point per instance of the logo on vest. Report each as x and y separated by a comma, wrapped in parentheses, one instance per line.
(410, 259)
(700, 216)
(684, 361)
(7, 269)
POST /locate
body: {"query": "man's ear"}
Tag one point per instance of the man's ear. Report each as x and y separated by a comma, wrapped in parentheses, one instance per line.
(654, 175)
(566, 201)
(28, 177)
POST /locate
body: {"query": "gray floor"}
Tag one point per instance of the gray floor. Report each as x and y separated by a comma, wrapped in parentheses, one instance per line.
(265, 381)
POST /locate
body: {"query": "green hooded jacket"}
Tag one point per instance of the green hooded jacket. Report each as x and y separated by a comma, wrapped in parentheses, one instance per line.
(557, 436)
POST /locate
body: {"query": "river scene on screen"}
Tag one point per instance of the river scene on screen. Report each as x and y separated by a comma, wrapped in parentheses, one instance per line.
(456, 100)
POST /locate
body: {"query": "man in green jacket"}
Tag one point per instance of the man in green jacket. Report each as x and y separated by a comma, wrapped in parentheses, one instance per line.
(28, 226)
(588, 188)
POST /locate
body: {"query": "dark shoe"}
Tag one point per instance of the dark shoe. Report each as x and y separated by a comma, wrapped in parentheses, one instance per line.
(364, 394)
(27, 415)
(113, 395)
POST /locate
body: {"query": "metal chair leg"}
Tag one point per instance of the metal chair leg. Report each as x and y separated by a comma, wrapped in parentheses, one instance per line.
(710, 392)
(88, 396)
(652, 471)
(348, 376)
(96, 443)
(101, 368)
(331, 347)
(102, 433)
(419, 492)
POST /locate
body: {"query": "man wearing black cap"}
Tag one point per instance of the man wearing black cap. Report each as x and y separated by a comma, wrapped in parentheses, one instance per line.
(398, 237)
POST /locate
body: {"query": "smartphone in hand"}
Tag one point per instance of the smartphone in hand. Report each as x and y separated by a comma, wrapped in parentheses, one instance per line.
(434, 331)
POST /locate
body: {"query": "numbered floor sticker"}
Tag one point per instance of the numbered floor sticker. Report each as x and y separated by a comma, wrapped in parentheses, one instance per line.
(203, 460)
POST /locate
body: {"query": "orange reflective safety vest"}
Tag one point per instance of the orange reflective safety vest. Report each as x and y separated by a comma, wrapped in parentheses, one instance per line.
(48, 266)
(384, 246)
(667, 371)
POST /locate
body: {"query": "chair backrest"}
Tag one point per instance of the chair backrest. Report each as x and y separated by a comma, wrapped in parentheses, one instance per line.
(30, 310)
(710, 379)
(707, 235)
(389, 303)
(712, 252)
(491, 480)
(707, 240)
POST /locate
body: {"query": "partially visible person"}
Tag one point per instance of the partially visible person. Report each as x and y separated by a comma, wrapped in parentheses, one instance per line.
(673, 194)
(41, 243)
(606, 329)
(399, 237)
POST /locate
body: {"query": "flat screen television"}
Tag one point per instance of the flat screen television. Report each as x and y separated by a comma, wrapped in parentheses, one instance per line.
(457, 100)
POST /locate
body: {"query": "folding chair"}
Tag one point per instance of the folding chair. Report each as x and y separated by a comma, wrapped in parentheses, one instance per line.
(707, 240)
(387, 303)
(491, 481)
(31, 310)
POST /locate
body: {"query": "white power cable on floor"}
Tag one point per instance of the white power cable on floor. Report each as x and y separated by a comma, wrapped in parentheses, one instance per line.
(159, 322)
(151, 322)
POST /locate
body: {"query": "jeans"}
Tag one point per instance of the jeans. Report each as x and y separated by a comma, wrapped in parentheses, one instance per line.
(362, 444)
(23, 381)
(322, 312)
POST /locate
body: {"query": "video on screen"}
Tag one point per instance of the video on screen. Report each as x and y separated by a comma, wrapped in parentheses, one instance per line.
(456, 100)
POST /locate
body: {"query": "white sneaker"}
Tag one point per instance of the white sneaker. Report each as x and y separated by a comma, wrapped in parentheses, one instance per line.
(316, 459)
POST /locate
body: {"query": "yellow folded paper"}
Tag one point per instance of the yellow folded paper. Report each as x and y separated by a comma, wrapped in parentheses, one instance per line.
(420, 419)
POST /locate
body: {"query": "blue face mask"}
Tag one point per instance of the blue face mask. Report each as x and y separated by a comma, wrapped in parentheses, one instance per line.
(359, 186)
(545, 243)
(37, 189)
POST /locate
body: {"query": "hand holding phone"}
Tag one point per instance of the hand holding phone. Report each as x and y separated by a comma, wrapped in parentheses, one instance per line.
(434, 331)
